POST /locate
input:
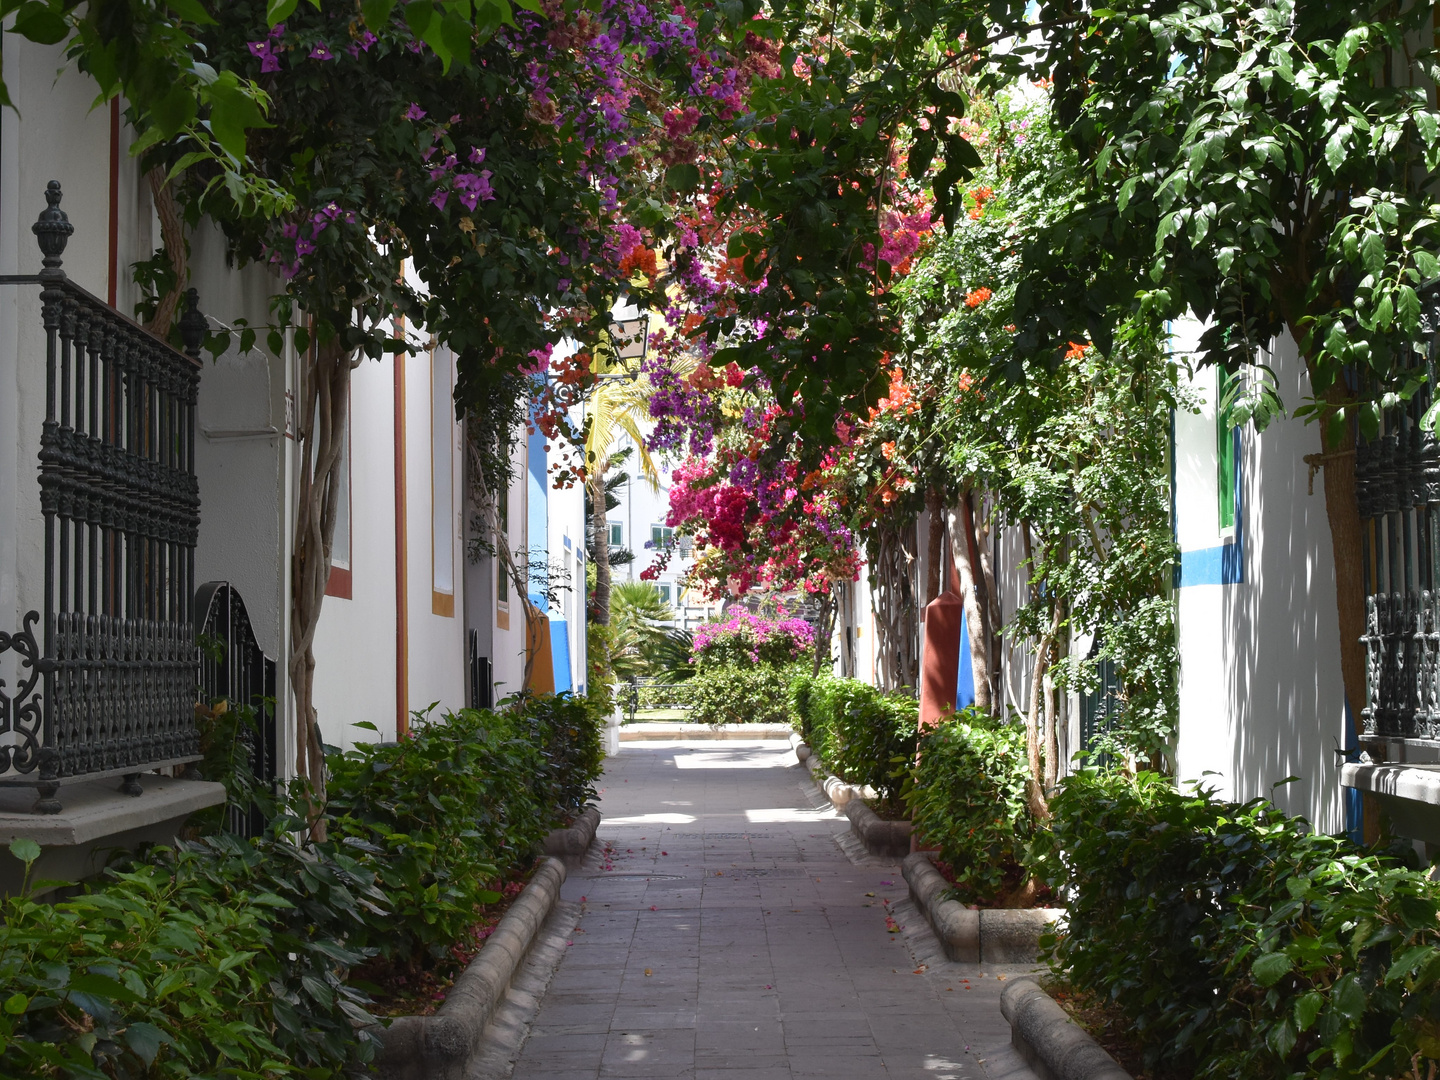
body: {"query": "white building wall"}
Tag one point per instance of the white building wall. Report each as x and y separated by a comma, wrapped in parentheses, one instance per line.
(355, 642)
(1261, 695)
(436, 659)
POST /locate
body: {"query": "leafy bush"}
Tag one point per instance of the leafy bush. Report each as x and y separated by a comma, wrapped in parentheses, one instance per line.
(968, 799)
(229, 957)
(744, 639)
(449, 808)
(212, 959)
(863, 735)
(1238, 942)
(459, 803)
(568, 731)
(753, 694)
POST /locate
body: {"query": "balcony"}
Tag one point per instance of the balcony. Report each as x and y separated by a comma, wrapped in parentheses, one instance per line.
(98, 686)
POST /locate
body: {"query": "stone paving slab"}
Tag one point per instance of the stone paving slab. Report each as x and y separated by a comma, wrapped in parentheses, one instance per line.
(728, 931)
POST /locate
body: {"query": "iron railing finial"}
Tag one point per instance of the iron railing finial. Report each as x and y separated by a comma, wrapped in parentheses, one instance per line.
(193, 324)
(52, 229)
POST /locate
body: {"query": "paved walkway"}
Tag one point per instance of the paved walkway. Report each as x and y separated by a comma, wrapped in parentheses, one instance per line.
(725, 934)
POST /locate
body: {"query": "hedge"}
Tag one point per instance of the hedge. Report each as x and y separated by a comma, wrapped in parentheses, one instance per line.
(1239, 943)
(863, 736)
(968, 800)
(225, 957)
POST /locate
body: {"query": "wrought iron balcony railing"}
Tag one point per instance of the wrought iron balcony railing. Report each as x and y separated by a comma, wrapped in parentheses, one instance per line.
(111, 687)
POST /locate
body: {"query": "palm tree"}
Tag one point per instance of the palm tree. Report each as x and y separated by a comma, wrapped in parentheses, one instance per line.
(620, 404)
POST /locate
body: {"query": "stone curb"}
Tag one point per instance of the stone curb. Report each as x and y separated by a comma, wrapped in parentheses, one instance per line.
(988, 935)
(1052, 1044)
(440, 1047)
(572, 843)
(880, 837)
(660, 730)
(888, 839)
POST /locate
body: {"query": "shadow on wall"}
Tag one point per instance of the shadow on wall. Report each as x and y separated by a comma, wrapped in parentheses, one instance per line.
(1281, 645)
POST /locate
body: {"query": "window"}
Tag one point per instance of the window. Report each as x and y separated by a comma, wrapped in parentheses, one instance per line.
(442, 482)
(664, 592)
(340, 583)
(686, 545)
(1226, 436)
(617, 534)
(660, 536)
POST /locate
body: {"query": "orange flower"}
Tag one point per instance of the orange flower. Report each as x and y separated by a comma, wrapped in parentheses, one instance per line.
(888, 450)
(978, 297)
(1076, 350)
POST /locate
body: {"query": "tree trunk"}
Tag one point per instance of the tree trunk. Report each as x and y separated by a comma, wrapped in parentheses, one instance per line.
(823, 639)
(601, 534)
(996, 620)
(967, 560)
(935, 550)
(1346, 532)
(320, 439)
(1040, 717)
(172, 238)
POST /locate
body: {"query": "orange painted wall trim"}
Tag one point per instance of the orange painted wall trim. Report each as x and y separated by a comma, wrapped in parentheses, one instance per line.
(402, 560)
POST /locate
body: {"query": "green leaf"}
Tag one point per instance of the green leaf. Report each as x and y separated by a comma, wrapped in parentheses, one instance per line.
(1346, 49)
(174, 111)
(192, 10)
(25, 849)
(15, 1004)
(682, 177)
(1347, 998)
(377, 13)
(104, 986)
(38, 23)
(1307, 1008)
(146, 1040)
(1335, 147)
(279, 10)
(418, 14)
(1270, 968)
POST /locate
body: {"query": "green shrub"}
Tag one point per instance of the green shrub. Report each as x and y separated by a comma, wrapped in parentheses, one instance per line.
(568, 731)
(1238, 942)
(968, 799)
(229, 957)
(802, 711)
(216, 958)
(748, 694)
(862, 735)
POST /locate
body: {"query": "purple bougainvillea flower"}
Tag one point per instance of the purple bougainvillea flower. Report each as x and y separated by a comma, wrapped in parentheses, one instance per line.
(414, 112)
(477, 156)
(266, 52)
(439, 199)
(321, 51)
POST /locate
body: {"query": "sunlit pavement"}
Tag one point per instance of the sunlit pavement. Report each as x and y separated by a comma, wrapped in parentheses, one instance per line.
(726, 936)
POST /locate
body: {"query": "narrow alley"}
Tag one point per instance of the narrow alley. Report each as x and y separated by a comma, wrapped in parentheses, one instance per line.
(724, 932)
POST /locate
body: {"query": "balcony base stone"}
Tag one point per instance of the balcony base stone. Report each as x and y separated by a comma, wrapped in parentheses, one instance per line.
(96, 821)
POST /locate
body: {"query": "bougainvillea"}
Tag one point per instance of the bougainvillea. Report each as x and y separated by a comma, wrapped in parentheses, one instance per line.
(745, 638)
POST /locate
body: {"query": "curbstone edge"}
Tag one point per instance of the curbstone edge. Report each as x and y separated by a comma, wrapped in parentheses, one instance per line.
(988, 935)
(1051, 1043)
(957, 926)
(879, 836)
(440, 1047)
(572, 843)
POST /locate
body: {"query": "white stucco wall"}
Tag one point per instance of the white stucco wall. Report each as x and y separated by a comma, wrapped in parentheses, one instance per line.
(1261, 695)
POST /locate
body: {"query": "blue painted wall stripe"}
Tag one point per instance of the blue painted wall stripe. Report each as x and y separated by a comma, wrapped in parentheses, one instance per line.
(1223, 565)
